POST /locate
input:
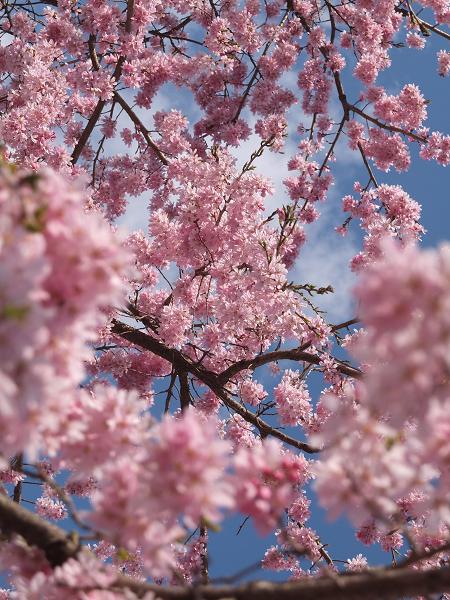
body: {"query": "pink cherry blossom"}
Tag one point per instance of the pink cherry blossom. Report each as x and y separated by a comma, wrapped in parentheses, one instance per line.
(155, 384)
(266, 482)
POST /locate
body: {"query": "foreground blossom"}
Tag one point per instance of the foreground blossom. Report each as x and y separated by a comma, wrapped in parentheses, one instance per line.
(59, 266)
(395, 440)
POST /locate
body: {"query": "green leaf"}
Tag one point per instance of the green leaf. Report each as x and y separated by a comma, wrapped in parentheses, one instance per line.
(15, 313)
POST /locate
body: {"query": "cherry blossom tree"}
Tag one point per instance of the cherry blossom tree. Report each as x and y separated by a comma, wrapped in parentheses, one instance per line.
(154, 382)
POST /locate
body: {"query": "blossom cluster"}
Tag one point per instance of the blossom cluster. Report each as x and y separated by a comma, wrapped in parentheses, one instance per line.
(61, 268)
(387, 438)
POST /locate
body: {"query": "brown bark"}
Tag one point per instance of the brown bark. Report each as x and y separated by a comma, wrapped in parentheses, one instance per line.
(213, 381)
(57, 545)
(376, 584)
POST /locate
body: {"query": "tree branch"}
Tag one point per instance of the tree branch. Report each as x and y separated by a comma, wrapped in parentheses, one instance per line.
(376, 584)
(345, 324)
(185, 396)
(57, 545)
(133, 116)
(17, 464)
(424, 25)
(180, 364)
(86, 134)
(296, 354)
(87, 131)
(391, 128)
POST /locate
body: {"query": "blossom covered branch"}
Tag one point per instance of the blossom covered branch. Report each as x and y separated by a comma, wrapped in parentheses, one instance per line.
(386, 583)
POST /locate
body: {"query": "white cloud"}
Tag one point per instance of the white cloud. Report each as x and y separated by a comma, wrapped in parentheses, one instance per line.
(324, 260)
(6, 39)
(136, 215)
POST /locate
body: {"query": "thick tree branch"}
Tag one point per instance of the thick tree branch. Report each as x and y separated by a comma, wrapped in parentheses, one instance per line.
(185, 396)
(57, 545)
(296, 354)
(379, 584)
(86, 134)
(180, 364)
(345, 324)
